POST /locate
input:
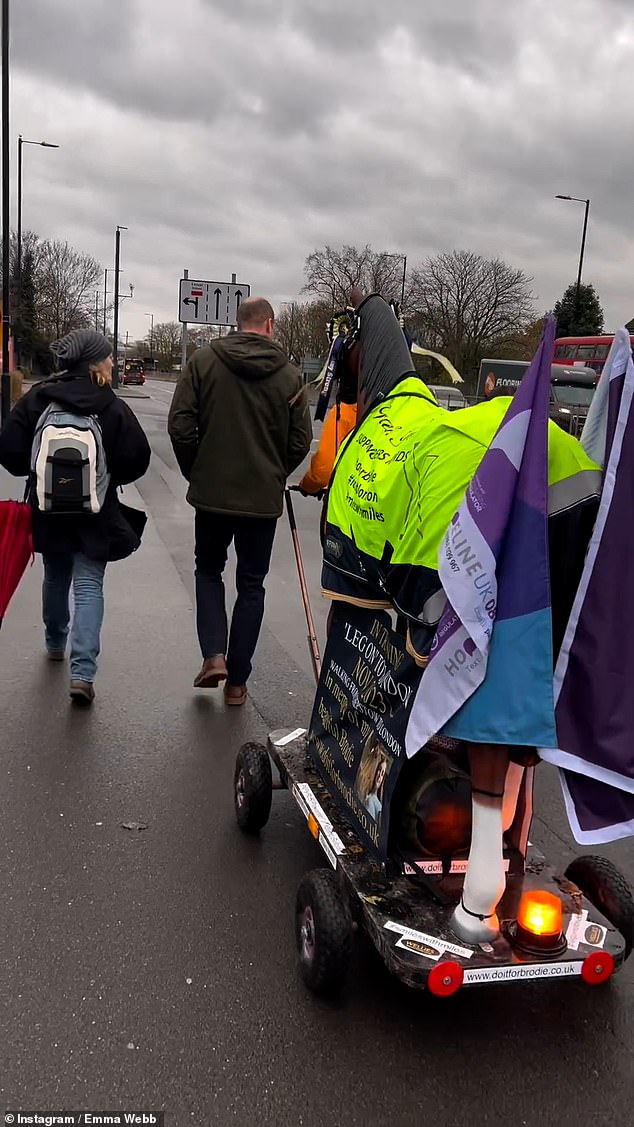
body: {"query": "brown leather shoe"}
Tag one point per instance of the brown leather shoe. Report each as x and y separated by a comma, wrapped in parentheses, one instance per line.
(235, 695)
(82, 693)
(214, 670)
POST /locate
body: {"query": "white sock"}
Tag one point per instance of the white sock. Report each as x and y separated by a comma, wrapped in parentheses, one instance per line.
(484, 881)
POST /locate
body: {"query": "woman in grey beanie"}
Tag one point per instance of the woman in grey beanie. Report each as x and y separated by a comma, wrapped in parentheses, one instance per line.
(76, 546)
(83, 349)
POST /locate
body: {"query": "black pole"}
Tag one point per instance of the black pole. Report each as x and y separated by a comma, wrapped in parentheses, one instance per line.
(18, 288)
(583, 247)
(19, 248)
(105, 298)
(115, 355)
(96, 311)
(5, 396)
(403, 282)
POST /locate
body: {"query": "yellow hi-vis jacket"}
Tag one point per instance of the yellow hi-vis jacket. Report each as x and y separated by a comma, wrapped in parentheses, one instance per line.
(397, 484)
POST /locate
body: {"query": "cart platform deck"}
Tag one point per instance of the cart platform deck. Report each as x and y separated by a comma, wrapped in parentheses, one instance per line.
(407, 916)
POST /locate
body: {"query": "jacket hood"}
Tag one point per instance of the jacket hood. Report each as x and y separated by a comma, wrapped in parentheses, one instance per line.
(77, 392)
(250, 355)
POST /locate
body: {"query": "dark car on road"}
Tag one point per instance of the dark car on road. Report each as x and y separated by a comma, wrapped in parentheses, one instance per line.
(132, 372)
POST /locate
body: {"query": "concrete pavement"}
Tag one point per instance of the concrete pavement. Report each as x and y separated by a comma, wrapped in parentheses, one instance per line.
(156, 967)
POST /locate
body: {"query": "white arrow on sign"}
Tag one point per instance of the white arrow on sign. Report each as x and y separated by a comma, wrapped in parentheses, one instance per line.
(211, 303)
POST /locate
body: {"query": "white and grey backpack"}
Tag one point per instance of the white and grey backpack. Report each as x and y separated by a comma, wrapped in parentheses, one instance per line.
(69, 473)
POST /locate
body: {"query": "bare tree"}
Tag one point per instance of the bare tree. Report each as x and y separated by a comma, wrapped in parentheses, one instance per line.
(522, 346)
(66, 284)
(166, 341)
(332, 272)
(467, 305)
(301, 329)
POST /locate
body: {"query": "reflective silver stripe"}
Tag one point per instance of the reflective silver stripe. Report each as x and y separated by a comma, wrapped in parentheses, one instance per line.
(433, 609)
(578, 487)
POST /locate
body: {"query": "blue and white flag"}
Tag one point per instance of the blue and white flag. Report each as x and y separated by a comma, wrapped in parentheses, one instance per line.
(494, 640)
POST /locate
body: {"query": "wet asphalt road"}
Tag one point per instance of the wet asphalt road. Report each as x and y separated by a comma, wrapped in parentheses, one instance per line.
(156, 968)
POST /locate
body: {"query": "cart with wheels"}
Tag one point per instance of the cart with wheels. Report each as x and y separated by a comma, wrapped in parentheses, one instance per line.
(576, 924)
(408, 919)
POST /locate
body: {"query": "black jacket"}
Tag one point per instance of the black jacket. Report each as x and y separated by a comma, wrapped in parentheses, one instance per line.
(114, 532)
(239, 424)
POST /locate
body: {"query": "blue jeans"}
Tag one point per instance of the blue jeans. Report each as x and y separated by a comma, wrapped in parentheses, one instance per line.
(86, 577)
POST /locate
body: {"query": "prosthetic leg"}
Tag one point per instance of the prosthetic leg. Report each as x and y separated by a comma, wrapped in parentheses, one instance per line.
(475, 919)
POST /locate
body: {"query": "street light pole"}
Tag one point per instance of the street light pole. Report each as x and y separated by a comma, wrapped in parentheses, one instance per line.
(117, 260)
(403, 282)
(151, 336)
(5, 385)
(576, 199)
(404, 257)
(105, 298)
(21, 143)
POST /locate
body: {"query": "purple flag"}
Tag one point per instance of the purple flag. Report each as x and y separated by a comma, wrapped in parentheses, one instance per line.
(495, 637)
(594, 677)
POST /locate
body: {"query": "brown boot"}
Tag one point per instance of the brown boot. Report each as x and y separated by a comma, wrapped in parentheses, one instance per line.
(82, 693)
(214, 670)
(235, 695)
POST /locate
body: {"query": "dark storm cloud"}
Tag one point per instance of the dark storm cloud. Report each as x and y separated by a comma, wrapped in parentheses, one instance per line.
(239, 134)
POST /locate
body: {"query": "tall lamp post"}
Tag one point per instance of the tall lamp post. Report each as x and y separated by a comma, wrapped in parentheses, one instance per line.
(117, 261)
(6, 376)
(575, 199)
(151, 336)
(22, 141)
(404, 276)
(5, 379)
(105, 298)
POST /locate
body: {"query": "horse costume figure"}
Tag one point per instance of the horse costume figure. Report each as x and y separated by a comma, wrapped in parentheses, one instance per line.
(414, 482)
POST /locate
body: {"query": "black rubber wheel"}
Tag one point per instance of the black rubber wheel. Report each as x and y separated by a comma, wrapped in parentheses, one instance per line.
(323, 931)
(606, 887)
(253, 787)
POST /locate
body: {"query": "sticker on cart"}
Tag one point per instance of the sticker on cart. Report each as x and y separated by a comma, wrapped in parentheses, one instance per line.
(428, 940)
(308, 804)
(290, 737)
(334, 840)
(474, 975)
(315, 807)
(581, 930)
(330, 853)
(299, 798)
(595, 935)
(434, 868)
(417, 948)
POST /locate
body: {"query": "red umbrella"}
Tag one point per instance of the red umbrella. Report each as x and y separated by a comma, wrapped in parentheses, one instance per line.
(16, 548)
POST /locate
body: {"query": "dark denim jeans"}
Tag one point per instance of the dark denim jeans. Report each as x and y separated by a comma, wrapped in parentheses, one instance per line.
(253, 538)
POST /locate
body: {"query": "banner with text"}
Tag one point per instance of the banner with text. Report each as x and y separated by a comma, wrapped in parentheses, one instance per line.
(360, 716)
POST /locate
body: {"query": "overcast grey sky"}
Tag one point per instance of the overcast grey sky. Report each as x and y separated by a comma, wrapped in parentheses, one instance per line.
(237, 135)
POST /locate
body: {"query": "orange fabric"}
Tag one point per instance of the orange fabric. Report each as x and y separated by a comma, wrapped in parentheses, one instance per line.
(322, 464)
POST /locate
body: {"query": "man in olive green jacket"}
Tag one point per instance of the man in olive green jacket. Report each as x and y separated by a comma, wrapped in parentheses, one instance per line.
(239, 425)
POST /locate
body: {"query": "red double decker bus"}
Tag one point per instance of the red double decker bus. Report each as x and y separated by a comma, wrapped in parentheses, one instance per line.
(588, 352)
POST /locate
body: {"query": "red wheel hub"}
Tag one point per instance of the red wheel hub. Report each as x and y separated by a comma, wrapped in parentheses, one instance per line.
(445, 979)
(597, 968)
